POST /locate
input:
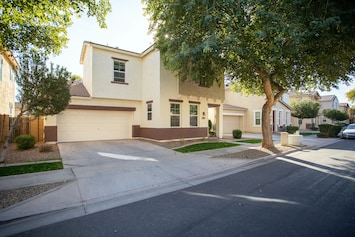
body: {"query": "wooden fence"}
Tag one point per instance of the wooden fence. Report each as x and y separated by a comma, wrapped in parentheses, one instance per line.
(25, 125)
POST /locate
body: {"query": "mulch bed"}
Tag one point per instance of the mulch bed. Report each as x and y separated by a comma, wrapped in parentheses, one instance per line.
(15, 156)
(31, 155)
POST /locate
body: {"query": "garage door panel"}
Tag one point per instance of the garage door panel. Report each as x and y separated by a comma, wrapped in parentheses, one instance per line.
(230, 123)
(87, 125)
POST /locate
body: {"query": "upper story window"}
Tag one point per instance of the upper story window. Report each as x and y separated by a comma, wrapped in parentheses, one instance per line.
(174, 115)
(119, 71)
(12, 75)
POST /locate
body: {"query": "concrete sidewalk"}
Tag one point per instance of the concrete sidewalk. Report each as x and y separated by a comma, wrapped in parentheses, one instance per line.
(102, 175)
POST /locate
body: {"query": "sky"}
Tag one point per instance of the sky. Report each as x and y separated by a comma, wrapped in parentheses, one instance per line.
(127, 28)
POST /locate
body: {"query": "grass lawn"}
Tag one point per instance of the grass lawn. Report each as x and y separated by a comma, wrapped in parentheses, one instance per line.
(251, 141)
(205, 146)
(307, 133)
(32, 168)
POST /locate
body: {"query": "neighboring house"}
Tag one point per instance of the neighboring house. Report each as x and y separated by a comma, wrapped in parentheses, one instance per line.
(127, 95)
(8, 65)
(327, 102)
(306, 123)
(244, 112)
(352, 115)
(344, 107)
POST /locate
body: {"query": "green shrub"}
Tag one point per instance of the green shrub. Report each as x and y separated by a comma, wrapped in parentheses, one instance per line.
(291, 129)
(25, 142)
(334, 130)
(329, 130)
(237, 133)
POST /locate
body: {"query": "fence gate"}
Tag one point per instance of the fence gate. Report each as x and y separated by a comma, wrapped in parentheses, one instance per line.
(25, 125)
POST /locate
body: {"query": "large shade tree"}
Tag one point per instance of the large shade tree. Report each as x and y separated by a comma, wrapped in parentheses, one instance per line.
(42, 90)
(268, 47)
(42, 24)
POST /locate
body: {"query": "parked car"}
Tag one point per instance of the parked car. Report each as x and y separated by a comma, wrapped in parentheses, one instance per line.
(348, 131)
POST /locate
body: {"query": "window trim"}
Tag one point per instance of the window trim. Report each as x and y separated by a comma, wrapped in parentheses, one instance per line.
(197, 114)
(150, 112)
(175, 115)
(254, 118)
(117, 60)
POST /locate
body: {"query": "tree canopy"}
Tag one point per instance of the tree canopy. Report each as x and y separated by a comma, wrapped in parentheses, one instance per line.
(42, 91)
(335, 114)
(304, 109)
(351, 95)
(267, 47)
(42, 24)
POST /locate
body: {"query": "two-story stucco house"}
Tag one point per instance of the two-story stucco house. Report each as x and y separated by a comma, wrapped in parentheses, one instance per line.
(327, 102)
(127, 95)
(244, 112)
(8, 65)
(306, 123)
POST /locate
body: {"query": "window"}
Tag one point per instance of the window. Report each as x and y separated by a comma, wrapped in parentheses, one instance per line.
(287, 122)
(280, 118)
(11, 109)
(119, 71)
(149, 111)
(0, 69)
(257, 118)
(12, 74)
(174, 115)
(193, 115)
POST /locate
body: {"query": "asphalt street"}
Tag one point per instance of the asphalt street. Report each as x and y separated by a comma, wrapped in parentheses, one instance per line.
(305, 193)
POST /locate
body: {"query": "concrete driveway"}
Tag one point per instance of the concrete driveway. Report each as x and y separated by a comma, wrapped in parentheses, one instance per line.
(105, 170)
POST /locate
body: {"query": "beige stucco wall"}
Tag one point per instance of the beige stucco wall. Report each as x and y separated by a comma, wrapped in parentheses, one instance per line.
(255, 103)
(251, 103)
(87, 67)
(102, 76)
(190, 87)
(151, 89)
(7, 88)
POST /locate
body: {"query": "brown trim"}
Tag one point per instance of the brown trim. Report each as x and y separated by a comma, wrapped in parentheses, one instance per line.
(50, 134)
(194, 102)
(136, 130)
(213, 105)
(120, 59)
(177, 101)
(149, 102)
(170, 133)
(117, 82)
(107, 108)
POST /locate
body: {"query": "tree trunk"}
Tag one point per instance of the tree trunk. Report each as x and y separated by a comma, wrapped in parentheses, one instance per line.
(266, 126)
(8, 137)
(271, 99)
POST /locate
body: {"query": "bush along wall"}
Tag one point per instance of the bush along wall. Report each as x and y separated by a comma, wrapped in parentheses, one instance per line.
(291, 129)
(329, 130)
(237, 134)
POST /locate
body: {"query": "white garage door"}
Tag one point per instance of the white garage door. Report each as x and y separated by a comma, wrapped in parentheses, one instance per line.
(90, 125)
(230, 123)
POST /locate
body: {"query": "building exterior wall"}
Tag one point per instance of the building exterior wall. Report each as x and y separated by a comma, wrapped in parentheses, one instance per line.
(103, 85)
(7, 84)
(280, 116)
